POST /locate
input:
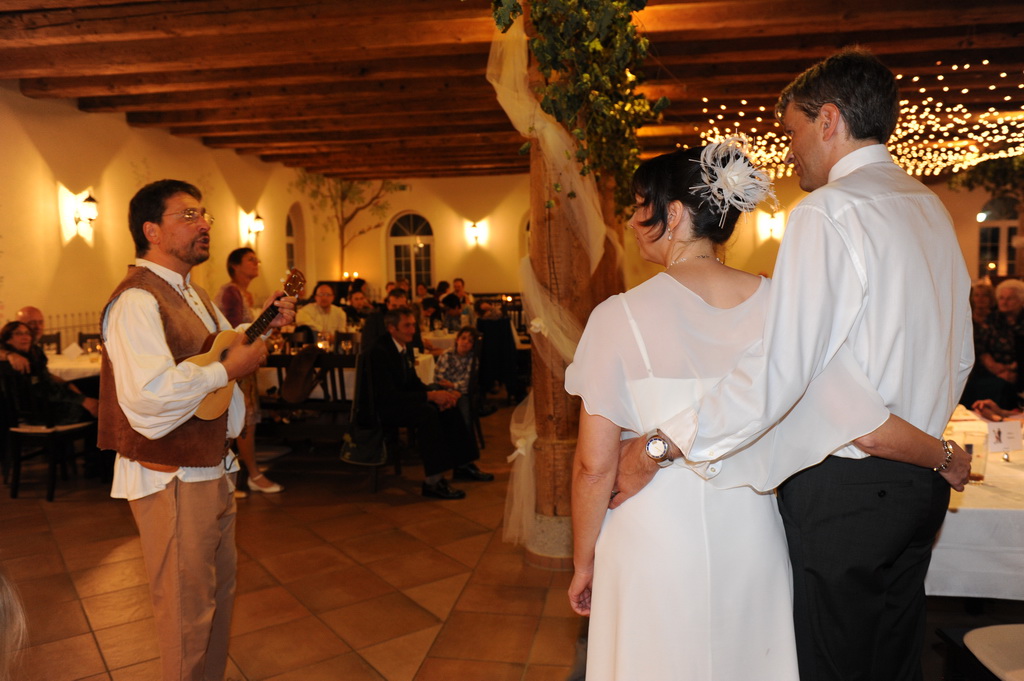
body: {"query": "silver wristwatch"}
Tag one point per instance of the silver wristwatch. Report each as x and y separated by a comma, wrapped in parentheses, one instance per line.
(657, 448)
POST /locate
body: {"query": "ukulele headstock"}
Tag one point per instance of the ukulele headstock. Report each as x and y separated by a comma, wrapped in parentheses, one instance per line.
(294, 282)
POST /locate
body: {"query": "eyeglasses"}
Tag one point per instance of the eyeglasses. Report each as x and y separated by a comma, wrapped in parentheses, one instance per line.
(190, 215)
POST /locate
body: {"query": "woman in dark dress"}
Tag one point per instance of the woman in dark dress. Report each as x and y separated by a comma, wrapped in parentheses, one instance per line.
(69, 405)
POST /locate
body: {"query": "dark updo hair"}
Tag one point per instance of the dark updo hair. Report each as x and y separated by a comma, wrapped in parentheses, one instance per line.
(671, 177)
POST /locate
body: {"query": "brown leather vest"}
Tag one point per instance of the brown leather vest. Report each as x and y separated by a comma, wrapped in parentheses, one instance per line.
(193, 443)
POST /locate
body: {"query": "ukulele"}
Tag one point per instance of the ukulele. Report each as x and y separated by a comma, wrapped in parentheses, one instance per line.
(216, 347)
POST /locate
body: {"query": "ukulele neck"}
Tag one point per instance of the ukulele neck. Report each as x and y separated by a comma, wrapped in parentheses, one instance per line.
(260, 326)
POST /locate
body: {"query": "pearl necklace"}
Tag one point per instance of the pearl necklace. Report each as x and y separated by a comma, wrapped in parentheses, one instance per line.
(698, 257)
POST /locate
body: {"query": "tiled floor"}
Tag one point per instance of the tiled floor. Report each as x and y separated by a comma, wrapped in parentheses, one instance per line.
(335, 583)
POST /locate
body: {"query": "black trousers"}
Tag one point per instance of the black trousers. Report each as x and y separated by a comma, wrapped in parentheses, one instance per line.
(860, 535)
(444, 441)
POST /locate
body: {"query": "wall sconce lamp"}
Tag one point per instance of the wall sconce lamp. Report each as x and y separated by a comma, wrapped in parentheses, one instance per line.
(77, 213)
(770, 225)
(476, 232)
(87, 211)
(257, 225)
(249, 226)
(346, 277)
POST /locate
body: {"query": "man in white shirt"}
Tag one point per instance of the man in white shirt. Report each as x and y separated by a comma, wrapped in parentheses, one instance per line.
(171, 466)
(321, 314)
(869, 264)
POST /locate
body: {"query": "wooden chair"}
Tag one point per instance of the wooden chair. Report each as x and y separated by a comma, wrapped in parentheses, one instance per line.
(365, 416)
(31, 432)
(475, 396)
(84, 338)
(51, 342)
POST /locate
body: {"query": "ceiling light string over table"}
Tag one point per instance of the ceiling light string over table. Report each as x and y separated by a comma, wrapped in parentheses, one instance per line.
(934, 134)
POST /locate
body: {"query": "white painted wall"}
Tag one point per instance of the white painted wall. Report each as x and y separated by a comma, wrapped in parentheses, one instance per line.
(44, 142)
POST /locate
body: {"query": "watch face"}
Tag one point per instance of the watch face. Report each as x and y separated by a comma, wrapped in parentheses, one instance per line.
(657, 448)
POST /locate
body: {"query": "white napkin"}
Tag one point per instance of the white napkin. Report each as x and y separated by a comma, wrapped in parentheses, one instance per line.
(72, 351)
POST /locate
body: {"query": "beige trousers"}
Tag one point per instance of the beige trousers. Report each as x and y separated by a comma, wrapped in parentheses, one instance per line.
(188, 545)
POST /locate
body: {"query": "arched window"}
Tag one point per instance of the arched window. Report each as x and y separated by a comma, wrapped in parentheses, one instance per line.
(411, 242)
(294, 238)
(997, 238)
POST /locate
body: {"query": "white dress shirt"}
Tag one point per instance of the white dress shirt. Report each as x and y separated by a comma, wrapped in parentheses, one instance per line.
(869, 263)
(156, 394)
(313, 316)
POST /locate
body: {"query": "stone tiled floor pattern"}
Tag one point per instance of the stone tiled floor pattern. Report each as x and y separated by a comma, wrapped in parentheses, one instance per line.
(335, 583)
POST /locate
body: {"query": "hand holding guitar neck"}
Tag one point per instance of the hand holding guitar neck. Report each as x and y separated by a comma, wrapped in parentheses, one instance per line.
(285, 304)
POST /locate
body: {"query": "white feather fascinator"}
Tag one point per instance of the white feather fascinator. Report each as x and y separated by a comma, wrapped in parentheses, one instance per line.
(730, 180)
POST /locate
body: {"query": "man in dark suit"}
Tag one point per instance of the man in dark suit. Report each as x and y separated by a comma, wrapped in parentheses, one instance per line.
(401, 399)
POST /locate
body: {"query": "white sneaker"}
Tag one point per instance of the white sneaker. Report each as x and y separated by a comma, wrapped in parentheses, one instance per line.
(271, 488)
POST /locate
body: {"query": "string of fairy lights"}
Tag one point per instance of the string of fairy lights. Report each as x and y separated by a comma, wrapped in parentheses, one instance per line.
(932, 135)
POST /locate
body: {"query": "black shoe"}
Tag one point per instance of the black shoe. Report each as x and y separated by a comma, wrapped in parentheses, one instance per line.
(442, 490)
(471, 472)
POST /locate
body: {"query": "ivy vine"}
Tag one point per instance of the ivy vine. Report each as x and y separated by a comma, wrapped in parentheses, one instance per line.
(589, 55)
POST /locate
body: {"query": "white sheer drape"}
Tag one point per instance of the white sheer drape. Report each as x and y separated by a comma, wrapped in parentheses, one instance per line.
(554, 329)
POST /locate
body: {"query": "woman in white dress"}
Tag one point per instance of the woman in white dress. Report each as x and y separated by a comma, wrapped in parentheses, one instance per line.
(690, 580)
(708, 597)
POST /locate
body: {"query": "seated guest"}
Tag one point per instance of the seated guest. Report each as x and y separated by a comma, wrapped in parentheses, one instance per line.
(422, 292)
(443, 289)
(321, 314)
(69, 405)
(983, 302)
(374, 327)
(451, 312)
(359, 306)
(487, 310)
(981, 383)
(1000, 345)
(455, 366)
(459, 289)
(401, 399)
(32, 317)
(430, 312)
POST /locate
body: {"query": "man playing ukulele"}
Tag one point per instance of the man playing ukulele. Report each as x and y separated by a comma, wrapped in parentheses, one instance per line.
(174, 469)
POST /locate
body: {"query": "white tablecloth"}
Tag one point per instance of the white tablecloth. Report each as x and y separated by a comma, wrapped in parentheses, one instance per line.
(70, 369)
(980, 549)
(442, 341)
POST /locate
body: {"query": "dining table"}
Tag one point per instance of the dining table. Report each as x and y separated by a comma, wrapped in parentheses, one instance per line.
(440, 340)
(70, 367)
(979, 552)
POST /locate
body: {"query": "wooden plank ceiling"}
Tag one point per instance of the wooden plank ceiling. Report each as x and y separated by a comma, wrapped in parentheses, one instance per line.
(396, 88)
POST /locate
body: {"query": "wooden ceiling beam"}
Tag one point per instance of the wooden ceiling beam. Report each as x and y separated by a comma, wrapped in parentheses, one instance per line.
(75, 23)
(684, 21)
(307, 111)
(424, 37)
(361, 70)
(398, 122)
(451, 144)
(296, 140)
(420, 89)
